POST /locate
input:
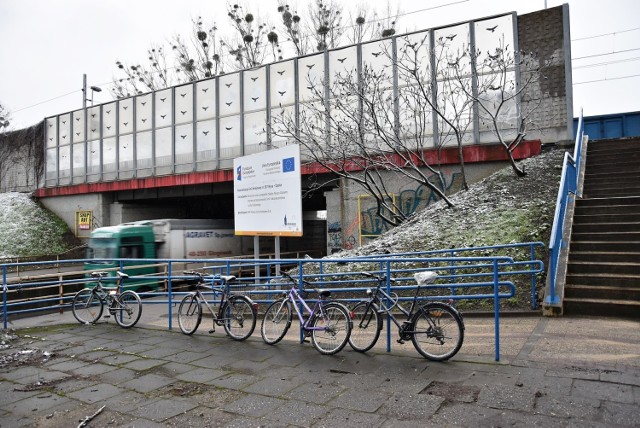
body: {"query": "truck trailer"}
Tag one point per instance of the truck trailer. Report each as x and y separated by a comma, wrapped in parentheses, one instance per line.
(173, 239)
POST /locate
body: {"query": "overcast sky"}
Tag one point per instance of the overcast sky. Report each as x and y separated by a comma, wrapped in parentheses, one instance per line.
(47, 45)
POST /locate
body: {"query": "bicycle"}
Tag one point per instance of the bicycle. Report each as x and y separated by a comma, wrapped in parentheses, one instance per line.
(236, 313)
(328, 323)
(88, 304)
(435, 328)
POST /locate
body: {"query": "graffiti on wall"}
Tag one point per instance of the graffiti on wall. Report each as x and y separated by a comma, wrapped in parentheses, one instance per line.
(338, 241)
(409, 201)
(371, 225)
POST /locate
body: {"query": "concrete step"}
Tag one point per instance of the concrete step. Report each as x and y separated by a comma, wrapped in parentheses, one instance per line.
(600, 246)
(623, 227)
(591, 192)
(599, 256)
(612, 167)
(598, 267)
(616, 201)
(619, 180)
(604, 146)
(603, 279)
(607, 218)
(606, 237)
(594, 292)
(601, 307)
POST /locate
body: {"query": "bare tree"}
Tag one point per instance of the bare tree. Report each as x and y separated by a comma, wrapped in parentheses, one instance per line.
(247, 48)
(352, 135)
(369, 25)
(498, 94)
(203, 57)
(325, 24)
(292, 27)
(5, 117)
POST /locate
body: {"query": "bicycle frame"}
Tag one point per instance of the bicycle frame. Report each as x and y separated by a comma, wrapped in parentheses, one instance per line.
(217, 315)
(379, 294)
(296, 299)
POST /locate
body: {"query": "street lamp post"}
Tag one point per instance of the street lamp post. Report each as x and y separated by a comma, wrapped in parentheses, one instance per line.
(94, 89)
(84, 91)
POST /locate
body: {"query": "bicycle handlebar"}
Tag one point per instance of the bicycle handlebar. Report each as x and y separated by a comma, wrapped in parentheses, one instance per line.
(378, 277)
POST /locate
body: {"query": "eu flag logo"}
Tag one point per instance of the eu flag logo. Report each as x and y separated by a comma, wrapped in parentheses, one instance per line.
(288, 165)
(239, 173)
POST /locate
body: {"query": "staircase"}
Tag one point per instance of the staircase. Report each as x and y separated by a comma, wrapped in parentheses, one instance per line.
(603, 272)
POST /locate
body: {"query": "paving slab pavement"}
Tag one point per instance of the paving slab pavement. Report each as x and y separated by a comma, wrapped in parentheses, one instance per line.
(552, 371)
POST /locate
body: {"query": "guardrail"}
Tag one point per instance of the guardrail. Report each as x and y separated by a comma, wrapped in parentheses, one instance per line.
(460, 278)
(569, 182)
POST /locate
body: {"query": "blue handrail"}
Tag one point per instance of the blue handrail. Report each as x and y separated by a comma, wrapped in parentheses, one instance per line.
(568, 184)
(475, 272)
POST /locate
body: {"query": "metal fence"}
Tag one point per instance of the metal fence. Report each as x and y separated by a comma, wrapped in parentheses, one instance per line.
(459, 278)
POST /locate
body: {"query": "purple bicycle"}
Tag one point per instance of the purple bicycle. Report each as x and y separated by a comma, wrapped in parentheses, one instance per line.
(328, 323)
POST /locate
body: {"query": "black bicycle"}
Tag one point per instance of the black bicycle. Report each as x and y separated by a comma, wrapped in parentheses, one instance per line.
(435, 328)
(236, 313)
(88, 303)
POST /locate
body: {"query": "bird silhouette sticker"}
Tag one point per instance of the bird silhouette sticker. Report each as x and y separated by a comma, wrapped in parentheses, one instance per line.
(281, 72)
(183, 136)
(125, 107)
(376, 54)
(125, 123)
(163, 116)
(108, 111)
(282, 93)
(144, 120)
(310, 66)
(342, 60)
(492, 29)
(205, 132)
(229, 103)
(451, 37)
(205, 90)
(254, 78)
(228, 128)
(255, 99)
(228, 85)
(143, 103)
(183, 95)
(163, 99)
(183, 112)
(205, 108)
(77, 119)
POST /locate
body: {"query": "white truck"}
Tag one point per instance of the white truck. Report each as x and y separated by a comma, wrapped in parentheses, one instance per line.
(172, 239)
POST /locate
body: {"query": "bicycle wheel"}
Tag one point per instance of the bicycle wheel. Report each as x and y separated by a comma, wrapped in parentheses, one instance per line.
(86, 306)
(127, 309)
(189, 314)
(336, 329)
(438, 331)
(367, 324)
(276, 321)
(239, 317)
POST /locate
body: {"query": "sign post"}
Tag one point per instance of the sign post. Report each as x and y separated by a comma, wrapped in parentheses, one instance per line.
(83, 223)
(267, 195)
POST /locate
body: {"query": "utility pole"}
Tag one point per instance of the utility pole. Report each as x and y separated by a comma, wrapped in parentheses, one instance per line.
(84, 91)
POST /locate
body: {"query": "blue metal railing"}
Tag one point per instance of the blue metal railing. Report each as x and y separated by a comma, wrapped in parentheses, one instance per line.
(569, 181)
(455, 273)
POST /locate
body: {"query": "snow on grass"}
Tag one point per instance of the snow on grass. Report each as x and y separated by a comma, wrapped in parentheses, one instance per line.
(28, 229)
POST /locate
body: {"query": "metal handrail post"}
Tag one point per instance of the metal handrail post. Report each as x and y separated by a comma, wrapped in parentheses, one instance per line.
(534, 304)
(388, 276)
(169, 292)
(496, 306)
(4, 296)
